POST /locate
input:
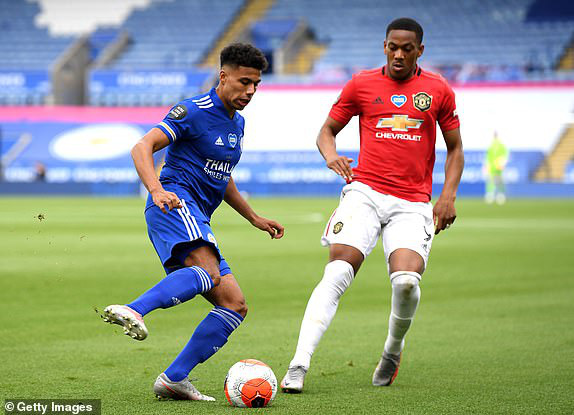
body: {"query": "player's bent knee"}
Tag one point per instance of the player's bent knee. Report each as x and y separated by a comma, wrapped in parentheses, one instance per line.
(406, 259)
(214, 275)
(216, 281)
(346, 253)
(239, 306)
(405, 282)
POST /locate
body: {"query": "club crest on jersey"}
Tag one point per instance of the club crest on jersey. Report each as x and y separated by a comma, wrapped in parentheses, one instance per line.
(178, 112)
(422, 101)
(399, 100)
(338, 227)
(232, 138)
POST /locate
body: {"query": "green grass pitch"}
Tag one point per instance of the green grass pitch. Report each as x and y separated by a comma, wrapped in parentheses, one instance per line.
(494, 332)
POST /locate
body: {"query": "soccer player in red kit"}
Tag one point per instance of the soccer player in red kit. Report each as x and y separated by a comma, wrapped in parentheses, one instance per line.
(388, 193)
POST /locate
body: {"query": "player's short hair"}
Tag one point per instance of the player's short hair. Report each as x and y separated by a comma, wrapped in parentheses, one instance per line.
(243, 54)
(406, 23)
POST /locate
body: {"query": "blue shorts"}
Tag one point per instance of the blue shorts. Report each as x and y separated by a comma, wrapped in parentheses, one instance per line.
(178, 232)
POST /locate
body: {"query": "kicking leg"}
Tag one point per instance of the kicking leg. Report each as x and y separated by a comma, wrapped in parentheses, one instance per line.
(321, 308)
(176, 288)
(200, 274)
(209, 336)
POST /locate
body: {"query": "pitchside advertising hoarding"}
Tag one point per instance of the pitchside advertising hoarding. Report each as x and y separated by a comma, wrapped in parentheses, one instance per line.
(102, 79)
(33, 80)
(24, 87)
(91, 145)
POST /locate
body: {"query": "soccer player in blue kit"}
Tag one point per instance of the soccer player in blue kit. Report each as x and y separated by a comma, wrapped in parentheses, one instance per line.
(204, 135)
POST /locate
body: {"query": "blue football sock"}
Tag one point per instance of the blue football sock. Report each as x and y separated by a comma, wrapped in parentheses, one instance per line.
(176, 288)
(209, 336)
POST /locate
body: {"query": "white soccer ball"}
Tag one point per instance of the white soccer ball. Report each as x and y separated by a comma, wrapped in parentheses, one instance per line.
(250, 384)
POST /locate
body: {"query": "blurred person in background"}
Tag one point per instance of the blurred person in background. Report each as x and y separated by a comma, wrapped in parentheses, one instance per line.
(40, 172)
(496, 160)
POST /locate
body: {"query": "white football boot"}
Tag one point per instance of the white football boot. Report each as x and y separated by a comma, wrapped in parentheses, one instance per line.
(129, 319)
(294, 379)
(182, 390)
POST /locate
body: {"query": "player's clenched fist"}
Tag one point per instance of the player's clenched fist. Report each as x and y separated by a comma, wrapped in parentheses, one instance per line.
(163, 198)
(342, 166)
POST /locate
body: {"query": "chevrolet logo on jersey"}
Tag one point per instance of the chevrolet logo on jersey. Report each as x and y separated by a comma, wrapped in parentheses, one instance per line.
(399, 123)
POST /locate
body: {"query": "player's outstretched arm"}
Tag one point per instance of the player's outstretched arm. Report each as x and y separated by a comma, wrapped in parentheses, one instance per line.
(234, 199)
(444, 211)
(142, 154)
(328, 149)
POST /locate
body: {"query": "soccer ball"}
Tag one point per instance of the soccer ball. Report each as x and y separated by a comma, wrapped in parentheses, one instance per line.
(250, 384)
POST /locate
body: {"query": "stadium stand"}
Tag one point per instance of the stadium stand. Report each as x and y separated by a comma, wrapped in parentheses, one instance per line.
(555, 165)
(64, 17)
(174, 34)
(101, 38)
(156, 52)
(159, 66)
(472, 40)
(251, 11)
(269, 34)
(23, 45)
(26, 54)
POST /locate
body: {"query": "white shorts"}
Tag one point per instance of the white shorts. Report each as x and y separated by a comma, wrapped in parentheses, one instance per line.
(364, 214)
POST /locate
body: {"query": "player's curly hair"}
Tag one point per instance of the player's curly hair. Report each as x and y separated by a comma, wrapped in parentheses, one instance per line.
(243, 54)
(406, 23)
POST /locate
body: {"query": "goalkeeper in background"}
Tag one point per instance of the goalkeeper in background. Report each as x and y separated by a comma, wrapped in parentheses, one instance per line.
(496, 159)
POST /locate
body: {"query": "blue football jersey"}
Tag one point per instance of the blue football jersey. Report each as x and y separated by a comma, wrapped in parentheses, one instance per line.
(205, 147)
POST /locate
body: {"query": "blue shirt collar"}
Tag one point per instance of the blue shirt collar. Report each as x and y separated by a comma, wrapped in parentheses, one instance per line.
(219, 104)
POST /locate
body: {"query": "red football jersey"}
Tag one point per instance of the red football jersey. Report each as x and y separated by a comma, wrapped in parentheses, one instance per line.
(397, 122)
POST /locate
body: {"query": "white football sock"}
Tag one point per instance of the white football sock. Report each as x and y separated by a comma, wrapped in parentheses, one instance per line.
(404, 302)
(321, 309)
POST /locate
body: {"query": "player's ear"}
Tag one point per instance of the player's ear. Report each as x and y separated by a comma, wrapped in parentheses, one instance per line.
(385, 46)
(421, 50)
(222, 76)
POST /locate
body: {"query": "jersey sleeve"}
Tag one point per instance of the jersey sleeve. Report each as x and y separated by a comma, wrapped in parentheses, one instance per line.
(346, 105)
(448, 116)
(177, 123)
